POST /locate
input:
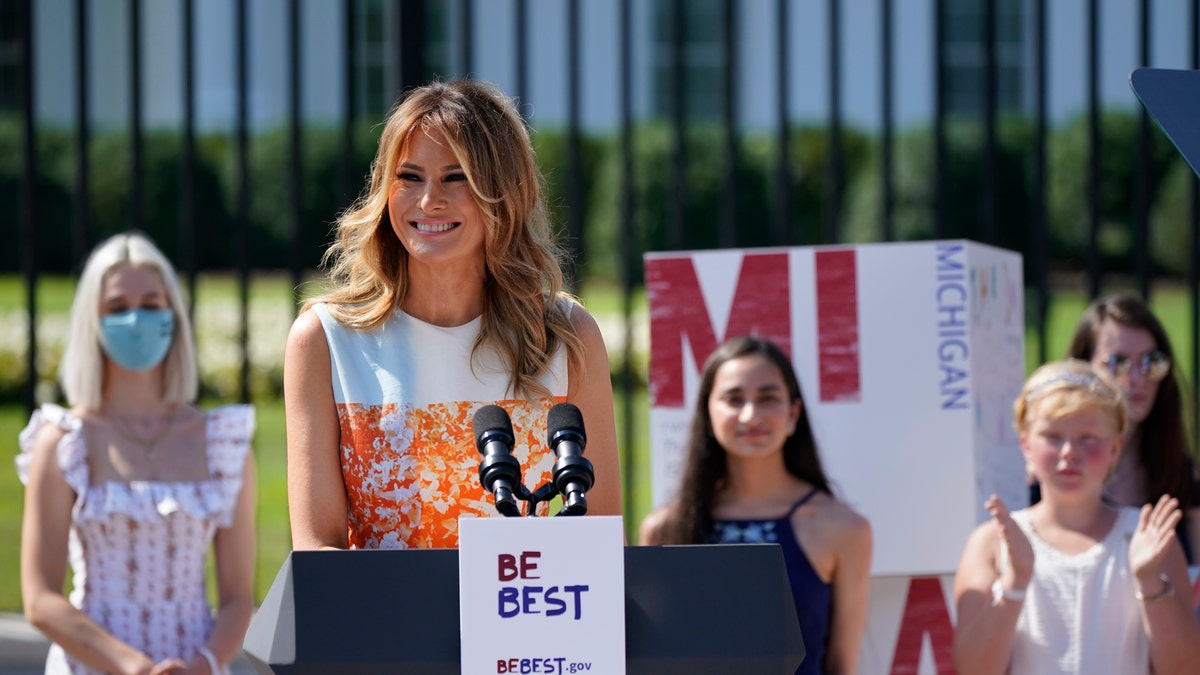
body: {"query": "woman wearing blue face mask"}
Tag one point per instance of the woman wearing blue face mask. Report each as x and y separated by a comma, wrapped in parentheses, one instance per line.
(133, 484)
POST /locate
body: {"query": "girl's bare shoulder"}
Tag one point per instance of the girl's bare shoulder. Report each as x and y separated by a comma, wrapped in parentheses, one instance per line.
(653, 527)
(838, 519)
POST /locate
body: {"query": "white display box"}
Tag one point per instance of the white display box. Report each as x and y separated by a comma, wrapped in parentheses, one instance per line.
(909, 357)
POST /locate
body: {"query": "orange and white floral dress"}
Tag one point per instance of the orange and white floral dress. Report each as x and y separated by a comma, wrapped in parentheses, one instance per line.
(406, 393)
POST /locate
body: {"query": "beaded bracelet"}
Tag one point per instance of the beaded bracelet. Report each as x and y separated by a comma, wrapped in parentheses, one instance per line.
(1167, 591)
(213, 665)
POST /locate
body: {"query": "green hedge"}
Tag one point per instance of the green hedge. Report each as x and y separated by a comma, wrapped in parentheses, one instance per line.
(601, 169)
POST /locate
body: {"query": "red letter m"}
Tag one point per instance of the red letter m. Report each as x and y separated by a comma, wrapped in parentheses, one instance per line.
(761, 306)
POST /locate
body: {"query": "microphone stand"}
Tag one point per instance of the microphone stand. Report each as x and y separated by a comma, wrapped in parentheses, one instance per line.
(544, 494)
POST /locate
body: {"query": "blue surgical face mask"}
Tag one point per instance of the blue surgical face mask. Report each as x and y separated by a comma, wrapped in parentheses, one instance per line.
(138, 339)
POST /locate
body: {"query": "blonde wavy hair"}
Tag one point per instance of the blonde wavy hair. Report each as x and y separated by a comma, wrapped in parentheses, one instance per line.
(526, 314)
(1072, 385)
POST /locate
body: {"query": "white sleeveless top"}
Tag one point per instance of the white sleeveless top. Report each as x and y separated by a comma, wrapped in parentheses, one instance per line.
(1080, 615)
(406, 394)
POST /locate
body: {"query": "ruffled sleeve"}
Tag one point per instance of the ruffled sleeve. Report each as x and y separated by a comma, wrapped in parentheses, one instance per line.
(71, 450)
(230, 431)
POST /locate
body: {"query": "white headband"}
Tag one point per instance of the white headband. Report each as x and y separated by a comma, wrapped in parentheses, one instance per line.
(1086, 380)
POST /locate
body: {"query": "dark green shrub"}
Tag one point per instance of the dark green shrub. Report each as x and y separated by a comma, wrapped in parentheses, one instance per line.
(705, 191)
(1171, 222)
(321, 193)
(913, 184)
(53, 207)
(551, 147)
(1067, 186)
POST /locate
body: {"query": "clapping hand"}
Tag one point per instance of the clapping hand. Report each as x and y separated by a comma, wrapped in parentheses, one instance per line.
(1152, 539)
(1020, 552)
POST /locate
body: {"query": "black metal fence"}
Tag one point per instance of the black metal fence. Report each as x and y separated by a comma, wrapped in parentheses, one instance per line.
(977, 183)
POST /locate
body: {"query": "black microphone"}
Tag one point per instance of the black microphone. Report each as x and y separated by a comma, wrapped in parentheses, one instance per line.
(573, 475)
(499, 471)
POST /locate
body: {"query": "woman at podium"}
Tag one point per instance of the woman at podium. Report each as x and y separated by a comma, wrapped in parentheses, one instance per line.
(752, 474)
(449, 297)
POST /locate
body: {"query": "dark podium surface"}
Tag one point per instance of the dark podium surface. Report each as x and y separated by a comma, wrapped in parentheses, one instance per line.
(688, 609)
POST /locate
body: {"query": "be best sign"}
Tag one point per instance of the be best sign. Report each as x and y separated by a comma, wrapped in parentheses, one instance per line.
(542, 595)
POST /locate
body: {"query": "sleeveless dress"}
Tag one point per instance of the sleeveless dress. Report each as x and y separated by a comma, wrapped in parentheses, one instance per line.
(406, 393)
(813, 597)
(1080, 615)
(137, 550)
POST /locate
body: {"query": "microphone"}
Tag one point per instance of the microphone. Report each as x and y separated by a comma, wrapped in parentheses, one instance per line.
(499, 471)
(573, 475)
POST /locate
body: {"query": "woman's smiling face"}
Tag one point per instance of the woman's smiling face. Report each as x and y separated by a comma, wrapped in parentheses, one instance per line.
(431, 205)
(750, 409)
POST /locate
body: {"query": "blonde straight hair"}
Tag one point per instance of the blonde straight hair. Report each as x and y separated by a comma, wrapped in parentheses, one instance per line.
(526, 314)
(82, 368)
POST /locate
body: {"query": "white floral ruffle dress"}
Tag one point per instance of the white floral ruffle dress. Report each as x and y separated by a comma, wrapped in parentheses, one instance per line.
(137, 550)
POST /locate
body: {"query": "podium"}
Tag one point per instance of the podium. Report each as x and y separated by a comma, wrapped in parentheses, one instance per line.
(688, 609)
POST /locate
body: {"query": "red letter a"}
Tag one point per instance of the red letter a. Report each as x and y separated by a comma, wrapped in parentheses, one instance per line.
(924, 612)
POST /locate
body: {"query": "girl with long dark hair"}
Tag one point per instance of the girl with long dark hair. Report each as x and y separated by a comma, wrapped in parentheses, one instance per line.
(753, 475)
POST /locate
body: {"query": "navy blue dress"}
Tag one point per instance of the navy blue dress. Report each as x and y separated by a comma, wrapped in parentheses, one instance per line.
(813, 597)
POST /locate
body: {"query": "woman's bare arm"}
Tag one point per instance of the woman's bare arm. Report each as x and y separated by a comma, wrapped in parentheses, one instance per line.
(316, 492)
(591, 391)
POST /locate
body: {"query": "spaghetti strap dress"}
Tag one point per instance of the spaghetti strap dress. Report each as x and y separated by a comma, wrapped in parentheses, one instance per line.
(813, 597)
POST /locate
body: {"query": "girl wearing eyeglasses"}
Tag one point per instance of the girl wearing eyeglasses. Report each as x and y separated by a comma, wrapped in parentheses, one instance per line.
(1120, 334)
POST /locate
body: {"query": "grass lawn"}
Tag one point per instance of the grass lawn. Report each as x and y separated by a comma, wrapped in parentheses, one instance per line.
(273, 532)
(12, 420)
